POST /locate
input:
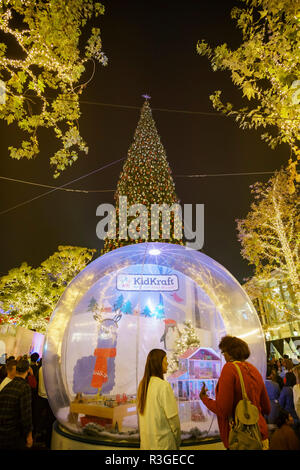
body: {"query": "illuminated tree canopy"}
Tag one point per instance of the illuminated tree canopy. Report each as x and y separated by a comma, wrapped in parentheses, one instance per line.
(269, 236)
(266, 68)
(28, 295)
(41, 65)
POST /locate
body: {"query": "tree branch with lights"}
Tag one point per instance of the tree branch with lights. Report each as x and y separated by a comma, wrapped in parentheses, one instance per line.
(41, 87)
(266, 69)
(28, 295)
(269, 236)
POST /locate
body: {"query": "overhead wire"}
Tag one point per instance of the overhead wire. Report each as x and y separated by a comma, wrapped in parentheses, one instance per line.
(204, 113)
(62, 186)
(54, 187)
(86, 191)
(226, 174)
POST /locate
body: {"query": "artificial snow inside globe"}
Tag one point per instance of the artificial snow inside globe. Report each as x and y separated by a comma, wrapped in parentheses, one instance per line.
(122, 305)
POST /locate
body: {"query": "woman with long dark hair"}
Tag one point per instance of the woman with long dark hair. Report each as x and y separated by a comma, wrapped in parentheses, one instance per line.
(158, 412)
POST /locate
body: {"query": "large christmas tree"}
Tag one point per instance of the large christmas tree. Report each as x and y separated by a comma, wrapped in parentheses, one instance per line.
(145, 179)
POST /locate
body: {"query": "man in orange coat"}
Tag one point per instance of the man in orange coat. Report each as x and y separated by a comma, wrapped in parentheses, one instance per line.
(229, 392)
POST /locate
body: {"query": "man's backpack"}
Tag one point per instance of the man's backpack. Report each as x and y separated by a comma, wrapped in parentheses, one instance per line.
(244, 432)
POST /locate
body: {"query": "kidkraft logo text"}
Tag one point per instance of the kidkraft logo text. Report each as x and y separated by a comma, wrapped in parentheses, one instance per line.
(139, 226)
(147, 282)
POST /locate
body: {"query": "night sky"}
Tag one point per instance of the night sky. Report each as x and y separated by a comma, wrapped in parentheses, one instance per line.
(151, 48)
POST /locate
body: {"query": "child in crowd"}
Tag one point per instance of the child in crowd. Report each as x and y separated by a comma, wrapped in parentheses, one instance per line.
(284, 438)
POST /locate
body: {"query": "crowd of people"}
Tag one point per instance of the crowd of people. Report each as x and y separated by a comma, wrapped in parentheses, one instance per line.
(276, 399)
(25, 415)
(283, 388)
(26, 418)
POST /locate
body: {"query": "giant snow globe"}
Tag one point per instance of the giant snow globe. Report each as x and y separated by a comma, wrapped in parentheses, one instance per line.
(122, 305)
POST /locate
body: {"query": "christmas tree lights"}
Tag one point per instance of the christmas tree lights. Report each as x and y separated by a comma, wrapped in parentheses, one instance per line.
(188, 338)
(145, 179)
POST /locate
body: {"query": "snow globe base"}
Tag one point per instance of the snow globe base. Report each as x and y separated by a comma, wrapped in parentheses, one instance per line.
(62, 439)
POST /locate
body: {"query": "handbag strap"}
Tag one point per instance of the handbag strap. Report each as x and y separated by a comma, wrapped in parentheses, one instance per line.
(244, 394)
(245, 397)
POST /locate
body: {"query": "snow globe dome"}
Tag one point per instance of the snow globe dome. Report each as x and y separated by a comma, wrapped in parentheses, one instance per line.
(122, 305)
